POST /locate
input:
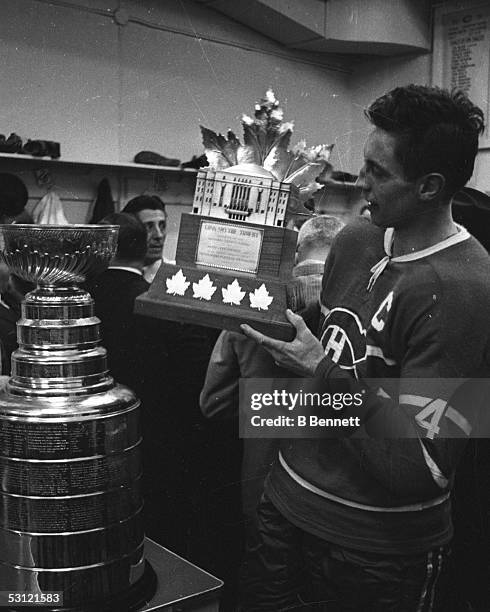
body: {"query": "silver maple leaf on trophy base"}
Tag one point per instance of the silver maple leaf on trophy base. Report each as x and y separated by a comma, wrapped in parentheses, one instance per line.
(204, 288)
(177, 284)
(233, 294)
(260, 298)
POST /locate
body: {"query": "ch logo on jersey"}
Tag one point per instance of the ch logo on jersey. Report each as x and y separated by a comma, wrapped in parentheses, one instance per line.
(344, 338)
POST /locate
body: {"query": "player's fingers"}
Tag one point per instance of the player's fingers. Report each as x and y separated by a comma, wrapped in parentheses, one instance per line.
(265, 341)
(296, 320)
(252, 333)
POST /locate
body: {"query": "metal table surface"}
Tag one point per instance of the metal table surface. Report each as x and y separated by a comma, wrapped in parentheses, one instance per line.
(181, 584)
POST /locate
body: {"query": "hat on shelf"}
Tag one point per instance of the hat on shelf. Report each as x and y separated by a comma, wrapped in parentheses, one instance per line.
(155, 159)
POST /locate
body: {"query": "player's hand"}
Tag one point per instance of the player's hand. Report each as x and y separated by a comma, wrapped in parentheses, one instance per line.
(302, 355)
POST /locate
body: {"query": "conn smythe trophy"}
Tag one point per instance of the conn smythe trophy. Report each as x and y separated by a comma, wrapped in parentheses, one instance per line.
(235, 254)
(231, 265)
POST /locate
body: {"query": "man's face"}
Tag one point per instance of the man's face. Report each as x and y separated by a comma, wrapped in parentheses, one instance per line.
(393, 199)
(155, 222)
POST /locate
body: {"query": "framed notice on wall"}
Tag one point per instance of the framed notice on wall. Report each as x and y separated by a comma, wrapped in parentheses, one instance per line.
(461, 55)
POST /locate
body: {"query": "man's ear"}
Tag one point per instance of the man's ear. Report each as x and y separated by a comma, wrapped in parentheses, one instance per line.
(431, 186)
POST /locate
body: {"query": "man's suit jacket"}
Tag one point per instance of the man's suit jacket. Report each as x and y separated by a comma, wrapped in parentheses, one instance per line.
(164, 362)
(126, 336)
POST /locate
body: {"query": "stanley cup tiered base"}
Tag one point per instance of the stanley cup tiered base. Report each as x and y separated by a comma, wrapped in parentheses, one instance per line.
(70, 438)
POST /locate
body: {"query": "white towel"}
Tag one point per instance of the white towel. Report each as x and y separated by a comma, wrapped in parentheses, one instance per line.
(49, 210)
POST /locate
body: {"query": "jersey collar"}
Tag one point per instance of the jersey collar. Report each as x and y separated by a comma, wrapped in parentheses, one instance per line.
(461, 235)
(378, 268)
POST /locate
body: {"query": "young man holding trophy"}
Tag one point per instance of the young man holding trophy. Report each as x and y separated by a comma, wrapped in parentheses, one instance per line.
(365, 521)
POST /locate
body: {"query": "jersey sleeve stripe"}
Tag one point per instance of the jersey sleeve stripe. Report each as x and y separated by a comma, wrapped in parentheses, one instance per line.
(458, 419)
(414, 400)
(436, 473)
(376, 351)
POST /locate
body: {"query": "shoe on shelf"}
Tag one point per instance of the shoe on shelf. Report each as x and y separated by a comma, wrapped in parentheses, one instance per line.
(12, 144)
(42, 148)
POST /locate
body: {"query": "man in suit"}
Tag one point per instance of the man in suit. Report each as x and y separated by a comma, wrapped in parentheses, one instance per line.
(164, 363)
(150, 210)
(137, 356)
(124, 335)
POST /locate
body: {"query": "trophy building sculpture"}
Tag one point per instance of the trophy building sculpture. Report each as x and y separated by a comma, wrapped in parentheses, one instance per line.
(235, 254)
(71, 529)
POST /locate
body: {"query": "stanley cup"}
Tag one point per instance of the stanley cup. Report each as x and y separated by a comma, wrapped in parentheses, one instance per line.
(70, 438)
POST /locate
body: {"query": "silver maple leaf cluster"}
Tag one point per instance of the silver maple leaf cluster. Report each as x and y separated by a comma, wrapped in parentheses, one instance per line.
(266, 140)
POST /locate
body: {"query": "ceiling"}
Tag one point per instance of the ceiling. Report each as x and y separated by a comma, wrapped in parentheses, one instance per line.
(379, 27)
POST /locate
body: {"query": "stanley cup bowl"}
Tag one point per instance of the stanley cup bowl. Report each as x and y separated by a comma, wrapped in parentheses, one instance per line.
(57, 254)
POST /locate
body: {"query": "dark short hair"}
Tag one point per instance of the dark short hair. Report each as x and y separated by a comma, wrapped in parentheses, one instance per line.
(13, 195)
(131, 239)
(436, 130)
(144, 202)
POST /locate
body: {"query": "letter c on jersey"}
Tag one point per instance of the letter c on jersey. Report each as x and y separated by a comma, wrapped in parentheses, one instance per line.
(384, 308)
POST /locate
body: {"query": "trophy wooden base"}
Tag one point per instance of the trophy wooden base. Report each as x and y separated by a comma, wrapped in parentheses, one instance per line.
(216, 298)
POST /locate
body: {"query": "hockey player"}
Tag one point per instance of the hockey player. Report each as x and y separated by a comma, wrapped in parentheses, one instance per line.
(366, 522)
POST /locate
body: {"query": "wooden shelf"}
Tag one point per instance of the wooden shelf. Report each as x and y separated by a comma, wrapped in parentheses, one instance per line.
(39, 162)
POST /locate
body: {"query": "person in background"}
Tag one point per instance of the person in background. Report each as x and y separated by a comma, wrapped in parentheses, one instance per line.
(13, 197)
(164, 362)
(12, 292)
(315, 238)
(364, 522)
(235, 356)
(190, 352)
(150, 210)
(138, 357)
(470, 588)
(124, 334)
(8, 324)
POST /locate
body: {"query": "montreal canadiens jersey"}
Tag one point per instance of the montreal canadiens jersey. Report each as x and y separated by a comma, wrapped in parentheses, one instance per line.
(414, 327)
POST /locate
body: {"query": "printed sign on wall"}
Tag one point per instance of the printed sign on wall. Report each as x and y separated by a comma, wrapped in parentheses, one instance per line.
(461, 56)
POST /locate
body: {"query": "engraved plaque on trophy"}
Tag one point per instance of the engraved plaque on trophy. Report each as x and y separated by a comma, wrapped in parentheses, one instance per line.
(234, 255)
(229, 246)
